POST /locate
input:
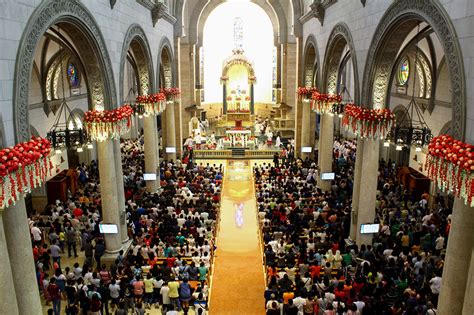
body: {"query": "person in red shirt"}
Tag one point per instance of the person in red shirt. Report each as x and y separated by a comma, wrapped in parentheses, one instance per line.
(315, 271)
(77, 212)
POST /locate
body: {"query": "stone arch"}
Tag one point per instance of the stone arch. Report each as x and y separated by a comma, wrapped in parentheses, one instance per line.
(398, 21)
(137, 42)
(339, 38)
(77, 114)
(83, 30)
(166, 71)
(446, 129)
(311, 62)
(203, 9)
(34, 132)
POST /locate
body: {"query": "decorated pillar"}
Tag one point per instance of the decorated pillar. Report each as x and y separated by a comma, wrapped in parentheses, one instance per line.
(305, 128)
(252, 102)
(468, 307)
(224, 98)
(151, 158)
(8, 302)
(367, 191)
(186, 68)
(18, 241)
(326, 144)
(458, 262)
(109, 194)
(277, 84)
(170, 129)
(290, 78)
(356, 187)
(120, 191)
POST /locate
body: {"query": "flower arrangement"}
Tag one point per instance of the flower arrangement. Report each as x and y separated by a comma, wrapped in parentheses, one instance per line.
(153, 104)
(323, 103)
(101, 125)
(171, 94)
(305, 93)
(450, 164)
(368, 123)
(23, 168)
(229, 98)
(247, 98)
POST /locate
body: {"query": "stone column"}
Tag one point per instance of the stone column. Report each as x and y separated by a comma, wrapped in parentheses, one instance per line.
(367, 189)
(17, 234)
(468, 307)
(290, 78)
(458, 261)
(305, 128)
(356, 187)
(151, 158)
(277, 86)
(186, 70)
(326, 144)
(8, 302)
(120, 191)
(109, 194)
(170, 129)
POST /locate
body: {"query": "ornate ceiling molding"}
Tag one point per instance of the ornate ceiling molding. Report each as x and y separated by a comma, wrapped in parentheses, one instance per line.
(338, 39)
(318, 10)
(73, 15)
(136, 40)
(399, 19)
(158, 11)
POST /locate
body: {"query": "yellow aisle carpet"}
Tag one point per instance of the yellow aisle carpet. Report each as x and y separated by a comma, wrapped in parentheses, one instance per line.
(238, 283)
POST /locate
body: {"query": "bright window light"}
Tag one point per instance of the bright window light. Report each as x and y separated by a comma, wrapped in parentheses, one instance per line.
(218, 43)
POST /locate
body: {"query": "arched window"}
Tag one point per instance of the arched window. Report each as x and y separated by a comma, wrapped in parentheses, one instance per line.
(73, 76)
(403, 71)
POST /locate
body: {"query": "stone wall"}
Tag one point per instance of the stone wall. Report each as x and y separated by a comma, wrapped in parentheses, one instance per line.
(113, 24)
(362, 22)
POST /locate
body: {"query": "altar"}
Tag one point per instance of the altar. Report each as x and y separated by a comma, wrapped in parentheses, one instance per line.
(239, 138)
(238, 79)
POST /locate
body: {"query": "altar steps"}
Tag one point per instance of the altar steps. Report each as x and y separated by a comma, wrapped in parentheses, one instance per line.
(238, 152)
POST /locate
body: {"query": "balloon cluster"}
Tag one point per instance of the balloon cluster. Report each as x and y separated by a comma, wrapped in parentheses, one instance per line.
(366, 122)
(22, 168)
(323, 103)
(153, 104)
(22, 154)
(171, 94)
(450, 164)
(102, 125)
(306, 92)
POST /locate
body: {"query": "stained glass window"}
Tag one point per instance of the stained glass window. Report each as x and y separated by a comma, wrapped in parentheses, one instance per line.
(403, 72)
(73, 76)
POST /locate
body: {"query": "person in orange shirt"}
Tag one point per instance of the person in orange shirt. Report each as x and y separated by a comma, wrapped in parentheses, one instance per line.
(288, 295)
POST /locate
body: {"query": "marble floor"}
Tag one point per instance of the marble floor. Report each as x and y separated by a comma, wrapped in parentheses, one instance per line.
(238, 283)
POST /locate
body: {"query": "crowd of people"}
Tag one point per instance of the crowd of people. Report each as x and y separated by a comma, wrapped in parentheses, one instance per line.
(172, 232)
(313, 267)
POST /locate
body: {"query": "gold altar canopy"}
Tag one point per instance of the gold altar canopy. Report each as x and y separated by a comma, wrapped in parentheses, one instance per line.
(238, 78)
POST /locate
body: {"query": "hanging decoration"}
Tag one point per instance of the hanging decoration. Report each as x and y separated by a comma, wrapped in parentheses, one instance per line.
(450, 164)
(305, 93)
(368, 123)
(171, 94)
(152, 104)
(323, 103)
(108, 124)
(23, 168)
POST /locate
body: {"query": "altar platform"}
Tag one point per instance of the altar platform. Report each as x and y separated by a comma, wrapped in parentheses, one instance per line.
(235, 153)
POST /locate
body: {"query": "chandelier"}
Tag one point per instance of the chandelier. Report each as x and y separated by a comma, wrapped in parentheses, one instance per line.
(411, 129)
(66, 134)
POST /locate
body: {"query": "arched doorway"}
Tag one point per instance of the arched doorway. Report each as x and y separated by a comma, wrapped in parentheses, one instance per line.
(396, 25)
(79, 28)
(170, 135)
